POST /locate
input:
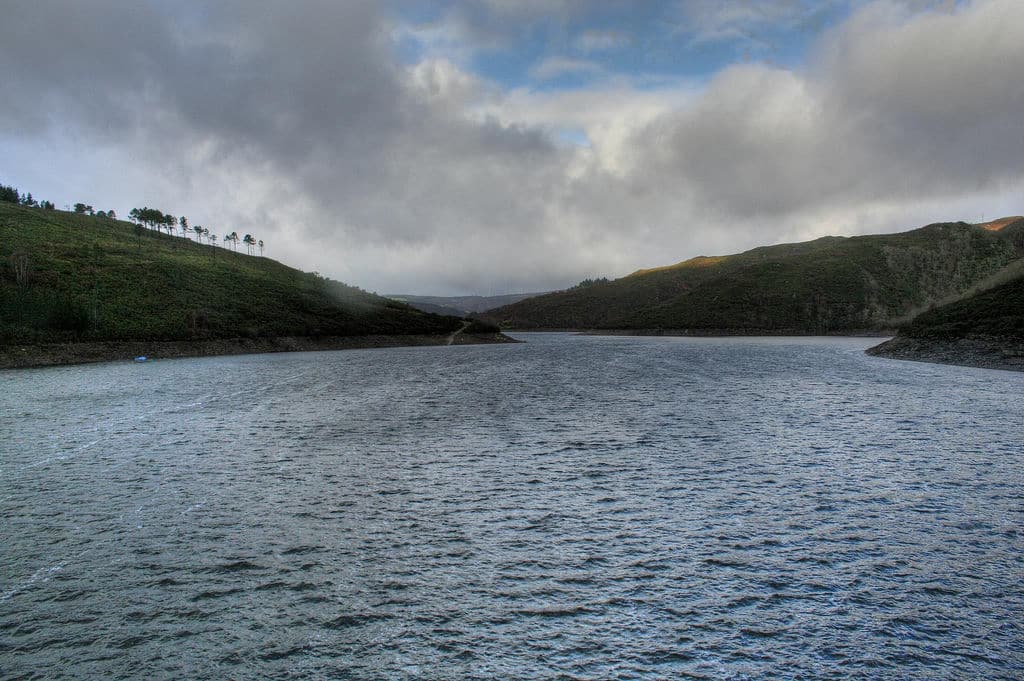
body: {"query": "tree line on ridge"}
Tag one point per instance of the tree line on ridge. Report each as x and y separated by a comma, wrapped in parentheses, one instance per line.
(151, 218)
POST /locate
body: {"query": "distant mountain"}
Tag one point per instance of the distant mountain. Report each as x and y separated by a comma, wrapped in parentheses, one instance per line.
(829, 285)
(985, 329)
(66, 277)
(460, 305)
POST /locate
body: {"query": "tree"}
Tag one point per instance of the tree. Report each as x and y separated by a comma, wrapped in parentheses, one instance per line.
(233, 238)
(198, 229)
(82, 208)
(261, 248)
(47, 205)
(9, 194)
(20, 266)
(249, 242)
(27, 200)
(111, 214)
(183, 221)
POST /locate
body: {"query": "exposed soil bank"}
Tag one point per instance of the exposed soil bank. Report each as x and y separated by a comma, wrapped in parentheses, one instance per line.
(23, 356)
(987, 352)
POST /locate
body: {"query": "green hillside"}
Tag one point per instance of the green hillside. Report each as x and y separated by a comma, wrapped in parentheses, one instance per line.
(72, 277)
(830, 285)
(985, 329)
(996, 312)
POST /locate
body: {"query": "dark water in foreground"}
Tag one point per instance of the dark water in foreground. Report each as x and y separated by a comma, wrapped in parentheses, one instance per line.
(577, 507)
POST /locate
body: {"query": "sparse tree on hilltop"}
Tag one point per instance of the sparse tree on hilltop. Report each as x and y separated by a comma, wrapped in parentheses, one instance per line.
(9, 194)
(261, 248)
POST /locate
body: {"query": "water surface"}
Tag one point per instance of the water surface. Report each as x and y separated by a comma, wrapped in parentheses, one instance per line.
(575, 507)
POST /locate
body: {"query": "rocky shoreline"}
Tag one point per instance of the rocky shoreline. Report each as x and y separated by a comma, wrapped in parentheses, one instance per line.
(17, 356)
(730, 333)
(986, 352)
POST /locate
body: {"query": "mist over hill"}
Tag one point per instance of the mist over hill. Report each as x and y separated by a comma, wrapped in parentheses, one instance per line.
(461, 305)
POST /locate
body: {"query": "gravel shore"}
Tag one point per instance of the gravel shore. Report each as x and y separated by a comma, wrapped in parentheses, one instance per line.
(987, 352)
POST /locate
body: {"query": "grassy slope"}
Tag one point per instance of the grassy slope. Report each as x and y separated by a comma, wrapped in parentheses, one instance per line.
(997, 312)
(832, 284)
(91, 278)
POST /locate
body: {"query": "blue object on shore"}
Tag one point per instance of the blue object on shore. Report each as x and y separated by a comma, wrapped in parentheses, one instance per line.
(141, 358)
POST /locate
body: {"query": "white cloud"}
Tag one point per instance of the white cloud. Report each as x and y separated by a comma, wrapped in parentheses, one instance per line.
(600, 41)
(710, 21)
(556, 67)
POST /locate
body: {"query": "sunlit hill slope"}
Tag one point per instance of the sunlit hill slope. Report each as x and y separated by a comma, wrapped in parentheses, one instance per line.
(829, 285)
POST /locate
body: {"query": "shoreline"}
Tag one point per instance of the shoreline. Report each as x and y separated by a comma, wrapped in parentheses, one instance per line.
(982, 352)
(26, 356)
(715, 333)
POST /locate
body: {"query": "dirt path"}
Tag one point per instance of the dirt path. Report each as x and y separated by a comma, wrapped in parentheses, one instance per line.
(451, 338)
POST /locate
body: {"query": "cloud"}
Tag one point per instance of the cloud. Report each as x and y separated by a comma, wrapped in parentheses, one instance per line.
(600, 41)
(556, 67)
(902, 105)
(300, 124)
(711, 21)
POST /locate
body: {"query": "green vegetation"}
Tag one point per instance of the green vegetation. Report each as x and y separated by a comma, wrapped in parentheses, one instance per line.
(73, 276)
(830, 285)
(997, 312)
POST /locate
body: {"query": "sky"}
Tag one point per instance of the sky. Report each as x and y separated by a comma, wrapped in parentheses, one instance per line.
(453, 147)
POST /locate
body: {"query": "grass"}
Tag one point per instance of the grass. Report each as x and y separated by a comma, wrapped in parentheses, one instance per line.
(997, 312)
(65, 276)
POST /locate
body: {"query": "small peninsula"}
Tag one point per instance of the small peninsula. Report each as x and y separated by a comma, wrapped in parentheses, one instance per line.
(983, 330)
(80, 287)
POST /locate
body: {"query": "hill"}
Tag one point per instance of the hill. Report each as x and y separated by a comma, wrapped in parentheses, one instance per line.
(461, 305)
(829, 285)
(67, 277)
(985, 329)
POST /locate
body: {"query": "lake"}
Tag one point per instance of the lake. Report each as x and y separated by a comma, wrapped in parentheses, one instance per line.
(573, 507)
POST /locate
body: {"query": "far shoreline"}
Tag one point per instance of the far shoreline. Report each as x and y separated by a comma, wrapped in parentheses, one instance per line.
(27, 356)
(979, 352)
(715, 333)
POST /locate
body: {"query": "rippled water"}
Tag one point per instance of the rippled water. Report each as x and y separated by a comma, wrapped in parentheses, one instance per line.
(575, 507)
